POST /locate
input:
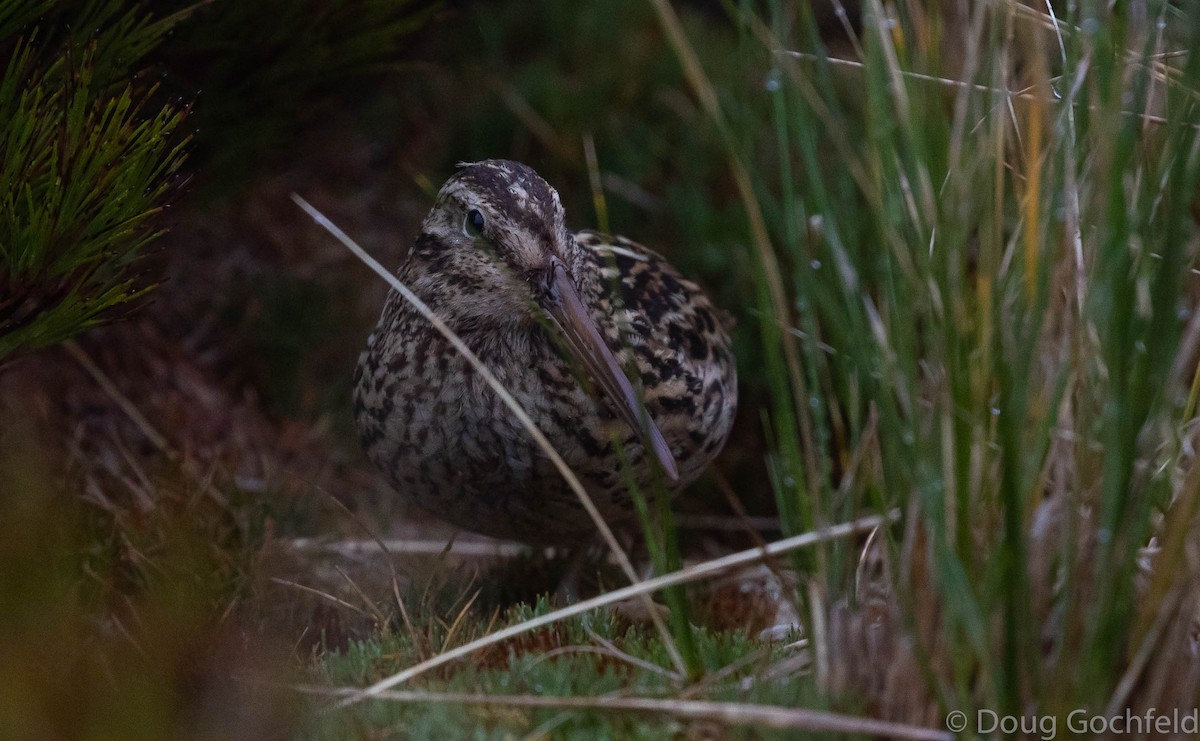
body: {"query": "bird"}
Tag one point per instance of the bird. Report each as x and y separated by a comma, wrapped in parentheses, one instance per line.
(624, 365)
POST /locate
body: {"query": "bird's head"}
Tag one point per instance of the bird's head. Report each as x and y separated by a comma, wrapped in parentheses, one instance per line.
(503, 212)
(497, 247)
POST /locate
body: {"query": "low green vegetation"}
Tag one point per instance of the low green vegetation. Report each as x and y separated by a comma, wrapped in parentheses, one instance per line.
(595, 657)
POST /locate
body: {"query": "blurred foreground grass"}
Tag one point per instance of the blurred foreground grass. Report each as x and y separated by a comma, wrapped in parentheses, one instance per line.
(112, 628)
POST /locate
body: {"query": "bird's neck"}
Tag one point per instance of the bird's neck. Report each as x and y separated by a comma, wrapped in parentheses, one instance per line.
(468, 299)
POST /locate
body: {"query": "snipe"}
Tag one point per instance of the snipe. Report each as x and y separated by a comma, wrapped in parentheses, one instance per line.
(558, 317)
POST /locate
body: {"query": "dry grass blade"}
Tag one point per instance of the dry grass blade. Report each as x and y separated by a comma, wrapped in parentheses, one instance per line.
(760, 236)
(322, 595)
(514, 407)
(391, 561)
(459, 619)
(151, 433)
(1157, 67)
(1168, 608)
(946, 81)
(610, 652)
(128, 407)
(1023, 94)
(532, 120)
(596, 182)
(377, 614)
(407, 547)
(610, 648)
(731, 713)
(683, 576)
(757, 656)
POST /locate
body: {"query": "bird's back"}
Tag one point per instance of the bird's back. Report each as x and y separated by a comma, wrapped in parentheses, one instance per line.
(678, 339)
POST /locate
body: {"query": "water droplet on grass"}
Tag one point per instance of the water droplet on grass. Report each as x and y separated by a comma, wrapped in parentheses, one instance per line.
(773, 81)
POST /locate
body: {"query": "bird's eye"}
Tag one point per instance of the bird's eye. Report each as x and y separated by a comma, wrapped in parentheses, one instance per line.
(473, 226)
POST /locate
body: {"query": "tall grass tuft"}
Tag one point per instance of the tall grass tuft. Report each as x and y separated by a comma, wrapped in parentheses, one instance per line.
(984, 219)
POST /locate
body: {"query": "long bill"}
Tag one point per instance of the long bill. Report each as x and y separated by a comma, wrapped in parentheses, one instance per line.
(588, 348)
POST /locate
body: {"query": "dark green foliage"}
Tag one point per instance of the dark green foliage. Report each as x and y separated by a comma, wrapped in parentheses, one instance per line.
(665, 179)
(86, 160)
(260, 71)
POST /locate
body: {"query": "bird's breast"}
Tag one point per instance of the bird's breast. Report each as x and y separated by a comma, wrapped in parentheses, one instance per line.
(418, 401)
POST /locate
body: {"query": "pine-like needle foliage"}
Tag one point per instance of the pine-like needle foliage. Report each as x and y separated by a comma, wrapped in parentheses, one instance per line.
(92, 144)
(86, 160)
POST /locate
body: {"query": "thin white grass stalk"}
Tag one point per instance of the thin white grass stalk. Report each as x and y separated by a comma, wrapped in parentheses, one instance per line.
(612, 653)
(732, 713)
(947, 81)
(1071, 177)
(820, 646)
(1157, 66)
(1023, 94)
(513, 405)
(610, 646)
(392, 546)
(847, 151)
(683, 576)
(924, 186)
(899, 94)
(962, 99)
(839, 9)
(319, 593)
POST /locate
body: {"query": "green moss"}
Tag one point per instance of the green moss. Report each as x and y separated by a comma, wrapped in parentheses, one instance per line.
(522, 667)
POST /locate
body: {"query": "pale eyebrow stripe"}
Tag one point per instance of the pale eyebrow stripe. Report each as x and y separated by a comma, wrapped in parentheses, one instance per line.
(622, 251)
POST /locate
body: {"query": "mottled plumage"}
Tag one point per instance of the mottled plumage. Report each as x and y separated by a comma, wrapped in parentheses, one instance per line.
(443, 436)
